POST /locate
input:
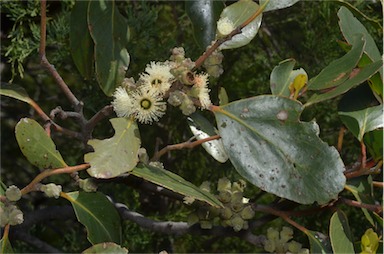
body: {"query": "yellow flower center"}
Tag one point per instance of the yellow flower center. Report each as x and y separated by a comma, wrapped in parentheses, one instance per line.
(145, 104)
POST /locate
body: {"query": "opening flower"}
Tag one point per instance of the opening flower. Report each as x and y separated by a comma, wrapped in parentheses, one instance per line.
(158, 76)
(147, 105)
(122, 104)
(202, 90)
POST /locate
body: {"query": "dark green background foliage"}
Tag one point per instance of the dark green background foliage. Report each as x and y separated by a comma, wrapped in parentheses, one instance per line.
(307, 32)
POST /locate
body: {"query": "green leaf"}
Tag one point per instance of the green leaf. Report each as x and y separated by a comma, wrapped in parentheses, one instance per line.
(280, 77)
(15, 91)
(367, 120)
(109, 32)
(81, 44)
(5, 245)
(37, 146)
(361, 188)
(270, 147)
(115, 155)
(339, 70)
(203, 15)
(111, 248)
(3, 188)
(340, 234)
(349, 26)
(97, 214)
(354, 80)
(238, 13)
(174, 183)
(318, 242)
(374, 143)
(278, 4)
(202, 129)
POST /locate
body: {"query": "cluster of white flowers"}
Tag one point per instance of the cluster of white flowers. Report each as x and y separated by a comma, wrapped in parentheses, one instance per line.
(144, 100)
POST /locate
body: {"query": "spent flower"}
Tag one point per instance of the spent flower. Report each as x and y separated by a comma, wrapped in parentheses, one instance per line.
(158, 75)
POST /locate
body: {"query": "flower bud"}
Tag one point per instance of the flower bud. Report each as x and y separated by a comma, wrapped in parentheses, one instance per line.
(272, 234)
(269, 245)
(237, 197)
(294, 246)
(143, 155)
(224, 27)
(187, 107)
(239, 186)
(286, 234)
(206, 224)
(176, 98)
(178, 54)
(51, 190)
(237, 206)
(237, 223)
(192, 219)
(13, 193)
(205, 186)
(223, 184)
(225, 196)
(247, 213)
(226, 213)
(15, 216)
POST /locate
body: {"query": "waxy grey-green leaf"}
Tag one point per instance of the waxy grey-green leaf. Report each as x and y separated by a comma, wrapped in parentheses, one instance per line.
(97, 214)
(37, 146)
(203, 15)
(16, 92)
(270, 147)
(116, 155)
(175, 183)
(339, 70)
(202, 129)
(365, 120)
(318, 242)
(340, 234)
(279, 80)
(238, 13)
(278, 4)
(82, 48)
(110, 32)
(356, 79)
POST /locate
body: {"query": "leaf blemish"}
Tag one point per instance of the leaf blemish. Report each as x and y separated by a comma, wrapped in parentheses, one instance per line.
(282, 115)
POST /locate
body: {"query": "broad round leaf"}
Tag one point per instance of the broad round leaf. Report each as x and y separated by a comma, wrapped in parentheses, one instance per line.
(237, 13)
(37, 146)
(270, 147)
(97, 214)
(115, 155)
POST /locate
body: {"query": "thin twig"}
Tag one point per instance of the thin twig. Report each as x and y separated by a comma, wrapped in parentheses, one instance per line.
(340, 139)
(45, 63)
(187, 144)
(49, 172)
(374, 208)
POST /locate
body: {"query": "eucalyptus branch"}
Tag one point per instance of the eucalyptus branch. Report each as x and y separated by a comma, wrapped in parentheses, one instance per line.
(236, 31)
(49, 172)
(181, 228)
(283, 214)
(100, 115)
(187, 144)
(36, 242)
(45, 63)
(374, 208)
